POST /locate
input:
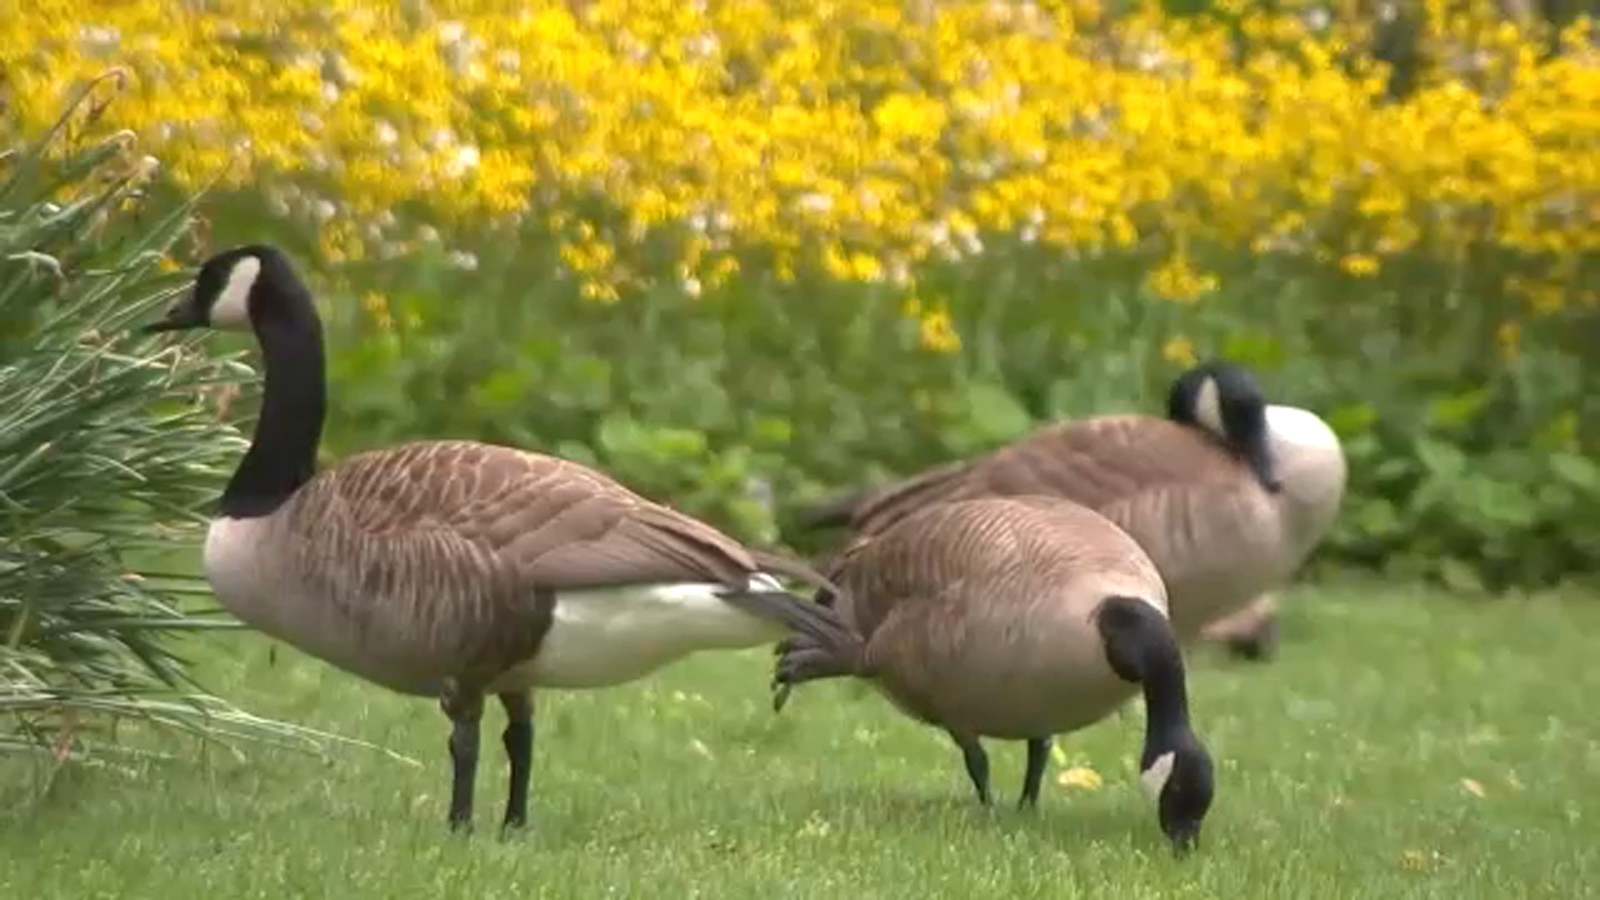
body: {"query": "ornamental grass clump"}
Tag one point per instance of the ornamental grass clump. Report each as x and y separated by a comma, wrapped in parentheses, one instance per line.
(110, 450)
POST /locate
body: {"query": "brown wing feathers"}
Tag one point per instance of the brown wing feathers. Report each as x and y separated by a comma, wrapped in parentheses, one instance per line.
(888, 505)
(1092, 461)
(563, 526)
(643, 537)
(604, 540)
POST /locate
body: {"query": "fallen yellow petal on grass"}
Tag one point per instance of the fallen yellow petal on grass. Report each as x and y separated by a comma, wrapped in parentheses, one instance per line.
(1421, 860)
(1081, 777)
(815, 827)
(1473, 787)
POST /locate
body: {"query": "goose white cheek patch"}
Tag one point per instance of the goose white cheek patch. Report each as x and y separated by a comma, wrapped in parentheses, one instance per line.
(231, 311)
(1208, 407)
(1155, 777)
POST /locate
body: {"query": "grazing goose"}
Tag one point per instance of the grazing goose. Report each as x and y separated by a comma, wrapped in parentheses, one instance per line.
(1016, 618)
(1227, 494)
(457, 569)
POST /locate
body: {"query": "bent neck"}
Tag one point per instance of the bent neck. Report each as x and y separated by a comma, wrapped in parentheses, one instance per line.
(1166, 701)
(1141, 648)
(283, 450)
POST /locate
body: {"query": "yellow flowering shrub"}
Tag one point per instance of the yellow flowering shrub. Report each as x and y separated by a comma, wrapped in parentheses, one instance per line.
(861, 137)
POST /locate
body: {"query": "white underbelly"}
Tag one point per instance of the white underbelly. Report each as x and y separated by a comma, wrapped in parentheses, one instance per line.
(606, 637)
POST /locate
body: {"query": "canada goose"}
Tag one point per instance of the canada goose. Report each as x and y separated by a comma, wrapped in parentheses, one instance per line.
(1227, 494)
(457, 569)
(1016, 618)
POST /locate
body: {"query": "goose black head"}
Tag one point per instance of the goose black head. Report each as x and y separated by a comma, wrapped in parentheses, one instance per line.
(1180, 779)
(1174, 766)
(235, 290)
(1225, 399)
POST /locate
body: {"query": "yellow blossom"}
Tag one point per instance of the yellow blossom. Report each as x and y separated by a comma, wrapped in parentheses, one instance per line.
(599, 291)
(936, 332)
(1180, 351)
(1080, 777)
(376, 306)
(1177, 280)
(1509, 338)
(851, 137)
(1360, 265)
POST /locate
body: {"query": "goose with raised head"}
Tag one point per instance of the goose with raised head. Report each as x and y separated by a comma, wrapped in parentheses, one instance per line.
(1017, 618)
(456, 569)
(1227, 494)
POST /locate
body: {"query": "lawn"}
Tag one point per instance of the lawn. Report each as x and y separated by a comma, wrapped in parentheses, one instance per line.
(1406, 744)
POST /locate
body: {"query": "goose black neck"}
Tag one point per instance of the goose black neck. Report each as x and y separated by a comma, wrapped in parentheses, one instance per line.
(1141, 648)
(283, 451)
(1166, 699)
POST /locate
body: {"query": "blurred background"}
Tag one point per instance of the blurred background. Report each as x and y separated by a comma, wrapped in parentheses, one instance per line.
(744, 253)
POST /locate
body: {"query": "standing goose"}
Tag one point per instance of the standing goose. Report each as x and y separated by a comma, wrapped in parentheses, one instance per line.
(1227, 494)
(1016, 618)
(457, 569)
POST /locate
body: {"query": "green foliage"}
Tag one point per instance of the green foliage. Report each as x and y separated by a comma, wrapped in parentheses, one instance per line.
(108, 454)
(1472, 461)
(1471, 450)
(722, 404)
(1473, 514)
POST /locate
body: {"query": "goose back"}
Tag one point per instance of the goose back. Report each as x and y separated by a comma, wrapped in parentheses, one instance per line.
(975, 615)
(1217, 537)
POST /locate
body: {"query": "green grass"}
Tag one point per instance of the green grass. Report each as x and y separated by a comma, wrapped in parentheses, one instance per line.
(1340, 774)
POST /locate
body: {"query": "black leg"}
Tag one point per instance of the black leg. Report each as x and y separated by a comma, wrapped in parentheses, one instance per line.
(518, 740)
(465, 710)
(977, 765)
(1259, 646)
(1038, 758)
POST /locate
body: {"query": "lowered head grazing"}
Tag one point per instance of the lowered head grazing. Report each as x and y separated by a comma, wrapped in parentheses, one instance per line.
(1174, 766)
(236, 290)
(1225, 399)
(1180, 781)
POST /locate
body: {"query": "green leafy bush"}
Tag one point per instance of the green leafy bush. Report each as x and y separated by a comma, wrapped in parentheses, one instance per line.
(1472, 459)
(759, 396)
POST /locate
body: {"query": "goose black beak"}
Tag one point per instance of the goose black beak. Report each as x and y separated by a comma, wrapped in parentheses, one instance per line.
(182, 316)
